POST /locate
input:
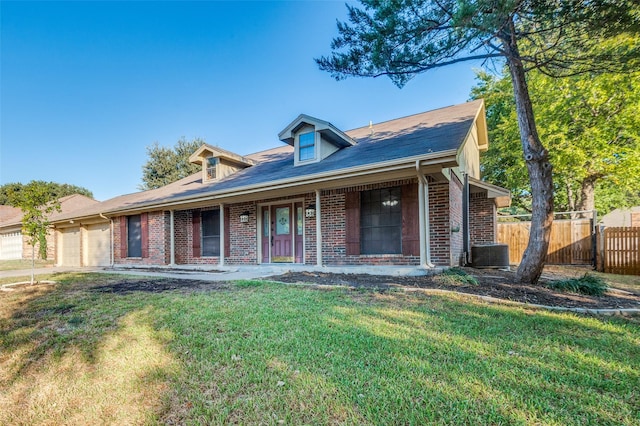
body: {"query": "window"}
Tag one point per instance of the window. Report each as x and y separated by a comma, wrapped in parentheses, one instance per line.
(134, 236)
(212, 163)
(307, 146)
(381, 221)
(211, 233)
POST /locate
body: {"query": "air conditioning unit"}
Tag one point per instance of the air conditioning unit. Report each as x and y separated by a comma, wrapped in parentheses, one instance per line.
(490, 256)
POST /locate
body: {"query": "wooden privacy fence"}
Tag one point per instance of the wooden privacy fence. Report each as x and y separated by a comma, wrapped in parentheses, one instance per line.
(571, 243)
(621, 250)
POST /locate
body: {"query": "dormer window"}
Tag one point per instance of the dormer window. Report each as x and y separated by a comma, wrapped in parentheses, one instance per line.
(313, 140)
(307, 146)
(212, 163)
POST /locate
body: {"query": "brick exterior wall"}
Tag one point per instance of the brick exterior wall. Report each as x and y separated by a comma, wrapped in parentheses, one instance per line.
(482, 219)
(158, 222)
(445, 201)
(244, 236)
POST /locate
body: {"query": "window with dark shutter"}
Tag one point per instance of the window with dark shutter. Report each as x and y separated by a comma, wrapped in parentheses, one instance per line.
(381, 221)
(134, 236)
(195, 234)
(352, 228)
(210, 232)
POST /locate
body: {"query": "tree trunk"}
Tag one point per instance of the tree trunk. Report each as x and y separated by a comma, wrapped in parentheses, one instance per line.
(33, 262)
(587, 194)
(538, 166)
(570, 200)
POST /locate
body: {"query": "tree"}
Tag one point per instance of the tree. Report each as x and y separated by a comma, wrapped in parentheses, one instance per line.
(58, 190)
(37, 202)
(592, 125)
(403, 38)
(167, 165)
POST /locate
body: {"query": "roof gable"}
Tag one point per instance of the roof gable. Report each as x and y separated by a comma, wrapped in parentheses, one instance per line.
(326, 129)
(206, 151)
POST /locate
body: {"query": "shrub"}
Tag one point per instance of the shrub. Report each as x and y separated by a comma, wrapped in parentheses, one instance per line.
(455, 276)
(588, 284)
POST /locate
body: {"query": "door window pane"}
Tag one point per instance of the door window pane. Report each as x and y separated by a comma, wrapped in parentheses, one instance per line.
(282, 221)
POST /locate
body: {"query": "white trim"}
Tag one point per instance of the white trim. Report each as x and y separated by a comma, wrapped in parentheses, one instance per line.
(222, 234)
(172, 239)
(318, 230)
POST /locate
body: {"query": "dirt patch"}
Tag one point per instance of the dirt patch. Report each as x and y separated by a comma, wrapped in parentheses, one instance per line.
(493, 283)
(159, 285)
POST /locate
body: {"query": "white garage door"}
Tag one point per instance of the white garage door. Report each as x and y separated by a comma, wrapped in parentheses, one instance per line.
(11, 246)
(98, 245)
(70, 239)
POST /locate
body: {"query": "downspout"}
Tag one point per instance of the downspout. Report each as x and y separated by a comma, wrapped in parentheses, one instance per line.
(466, 242)
(222, 234)
(423, 212)
(172, 239)
(318, 230)
(111, 253)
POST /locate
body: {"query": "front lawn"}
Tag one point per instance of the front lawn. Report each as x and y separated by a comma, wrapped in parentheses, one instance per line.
(102, 349)
(10, 265)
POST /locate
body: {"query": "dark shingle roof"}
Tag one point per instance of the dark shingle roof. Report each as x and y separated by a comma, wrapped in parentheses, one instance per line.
(440, 130)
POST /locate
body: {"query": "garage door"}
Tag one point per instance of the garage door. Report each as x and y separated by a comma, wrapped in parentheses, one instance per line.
(98, 245)
(11, 246)
(70, 239)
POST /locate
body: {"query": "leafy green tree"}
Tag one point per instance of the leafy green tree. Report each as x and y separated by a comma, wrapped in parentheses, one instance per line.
(592, 126)
(37, 202)
(58, 190)
(403, 38)
(167, 165)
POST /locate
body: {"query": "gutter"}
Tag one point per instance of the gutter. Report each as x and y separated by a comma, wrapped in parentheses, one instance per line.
(423, 208)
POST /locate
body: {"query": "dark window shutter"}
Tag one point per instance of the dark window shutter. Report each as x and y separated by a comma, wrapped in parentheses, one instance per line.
(410, 221)
(352, 231)
(227, 232)
(144, 234)
(123, 237)
(195, 221)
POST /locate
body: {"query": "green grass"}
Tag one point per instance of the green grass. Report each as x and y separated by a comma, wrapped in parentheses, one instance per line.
(267, 353)
(10, 265)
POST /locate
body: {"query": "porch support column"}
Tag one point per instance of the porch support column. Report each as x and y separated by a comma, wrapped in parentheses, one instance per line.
(423, 214)
(222, 234)
(318, 230)
(172, 239)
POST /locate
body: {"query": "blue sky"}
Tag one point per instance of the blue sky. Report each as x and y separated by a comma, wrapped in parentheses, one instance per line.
(85, 87)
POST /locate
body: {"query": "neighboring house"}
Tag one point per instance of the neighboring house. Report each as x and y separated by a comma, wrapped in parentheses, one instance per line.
(14, 245)
(622, 218)
(402, 192)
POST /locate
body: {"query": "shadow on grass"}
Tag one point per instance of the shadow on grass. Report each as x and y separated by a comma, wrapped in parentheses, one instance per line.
(73, 355)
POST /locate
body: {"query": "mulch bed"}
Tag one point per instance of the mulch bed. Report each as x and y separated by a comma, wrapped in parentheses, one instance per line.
(494, 283)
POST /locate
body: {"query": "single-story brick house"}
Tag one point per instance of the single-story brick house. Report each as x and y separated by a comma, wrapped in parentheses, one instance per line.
(15, 245)
(401, 192)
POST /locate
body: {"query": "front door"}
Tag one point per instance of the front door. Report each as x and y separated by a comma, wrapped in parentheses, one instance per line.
(281, 234)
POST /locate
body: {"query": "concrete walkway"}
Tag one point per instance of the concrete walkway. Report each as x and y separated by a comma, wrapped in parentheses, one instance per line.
(226, 273)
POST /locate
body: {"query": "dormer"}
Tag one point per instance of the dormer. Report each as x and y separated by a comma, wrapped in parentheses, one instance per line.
(218, 163)
(313, 139)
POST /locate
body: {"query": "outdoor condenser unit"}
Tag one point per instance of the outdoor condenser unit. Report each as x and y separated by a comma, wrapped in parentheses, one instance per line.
(490, 256)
